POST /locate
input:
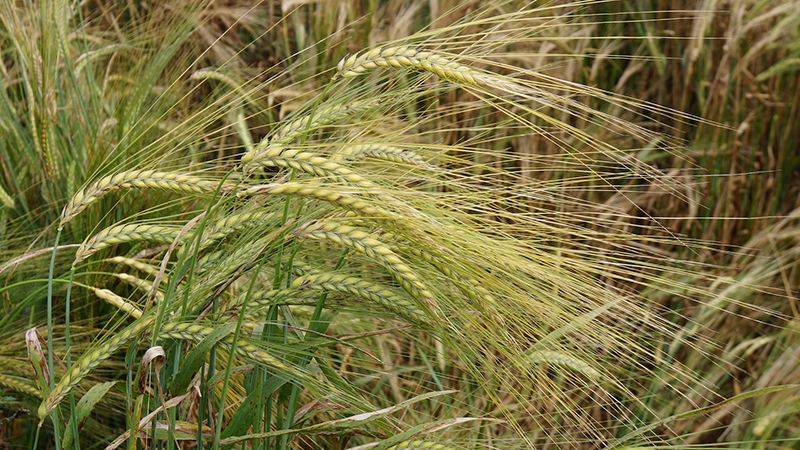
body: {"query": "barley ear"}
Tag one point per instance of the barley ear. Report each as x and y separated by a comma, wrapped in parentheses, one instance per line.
(363, 243)
(6, 199)
(169, 181)
(119, 234)
(117, 301)
(89, 361)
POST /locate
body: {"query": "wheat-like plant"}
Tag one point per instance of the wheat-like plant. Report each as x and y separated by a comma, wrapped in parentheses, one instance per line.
(177, 182)
(361, 242)
(495, 223)
(126, 233)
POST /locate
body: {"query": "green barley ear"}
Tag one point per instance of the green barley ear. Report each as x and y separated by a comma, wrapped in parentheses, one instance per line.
(386, 298)
(6, 199)
(118, 302)
(273, 146)
(362, 242)
(119, 234)
(88, 361)
(143, 179)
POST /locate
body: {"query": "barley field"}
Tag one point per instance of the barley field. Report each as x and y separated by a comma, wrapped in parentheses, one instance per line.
(399, 224)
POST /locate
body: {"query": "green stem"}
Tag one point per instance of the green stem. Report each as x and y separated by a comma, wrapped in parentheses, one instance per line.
(68, 357)
(316, 327)
(50, 334)
(232, 353)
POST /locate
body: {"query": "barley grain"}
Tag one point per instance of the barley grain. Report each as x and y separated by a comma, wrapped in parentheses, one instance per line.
(140, 284)
(404, 57)
(330, 194)
(136, 264)
(431, 62)
(384, 152)
(236, 223)
(21, 385)
(333, 282)
(564, 360)
(420, 445)
(6, 199)
(468, 285)
(196, 333)
(223, 261)
(291, 132)
(309, 163)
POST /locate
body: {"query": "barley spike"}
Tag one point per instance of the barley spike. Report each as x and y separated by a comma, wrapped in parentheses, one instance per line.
(126, 233)
(361, 242)
(87, 362)
(177, 182)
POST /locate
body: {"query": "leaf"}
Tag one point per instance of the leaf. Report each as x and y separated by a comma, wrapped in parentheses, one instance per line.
(424, 428)
(153, 355)
(84, 408)
(38, 359)
(340, 424)
(147, 419)
(243, 417)
(196, 358)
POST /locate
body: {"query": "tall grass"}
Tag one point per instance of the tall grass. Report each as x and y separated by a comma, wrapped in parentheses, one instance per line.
(381, 225)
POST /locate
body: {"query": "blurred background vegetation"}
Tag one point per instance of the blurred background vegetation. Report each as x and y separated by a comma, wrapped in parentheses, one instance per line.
(712, 212)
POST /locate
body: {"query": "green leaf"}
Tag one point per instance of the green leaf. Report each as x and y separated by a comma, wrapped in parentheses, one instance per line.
(195, 359)
(421, 429)
(340, 425)
(84, 408)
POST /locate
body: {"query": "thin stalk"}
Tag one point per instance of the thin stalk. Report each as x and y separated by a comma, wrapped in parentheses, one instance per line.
(185, 304)
(50, 364)
(232, 353)
(68, 358)
(316, 327)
